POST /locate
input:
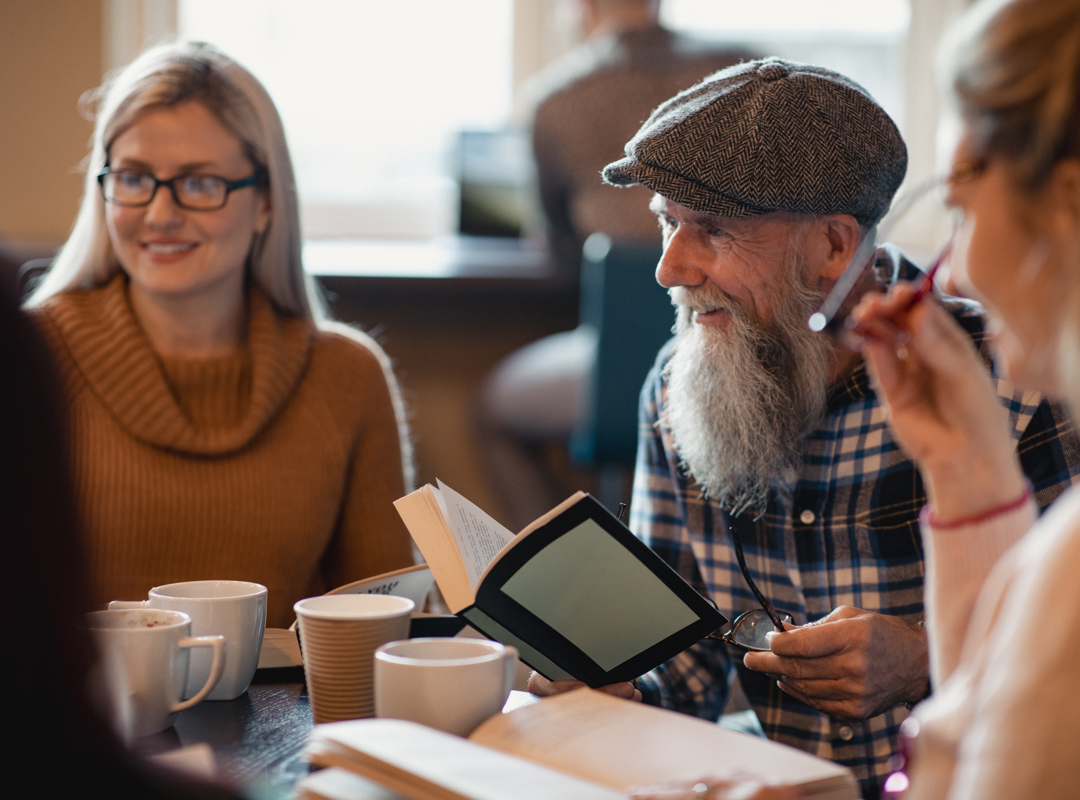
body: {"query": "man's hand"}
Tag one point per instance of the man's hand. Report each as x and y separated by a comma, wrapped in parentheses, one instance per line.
(539, 685)
(852, 664)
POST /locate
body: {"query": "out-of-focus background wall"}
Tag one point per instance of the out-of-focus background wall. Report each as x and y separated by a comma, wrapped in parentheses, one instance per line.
(50, 53)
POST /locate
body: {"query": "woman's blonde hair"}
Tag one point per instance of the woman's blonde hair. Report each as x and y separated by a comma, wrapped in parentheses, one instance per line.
(166, 76)
(1015, 79)
(1015, 76)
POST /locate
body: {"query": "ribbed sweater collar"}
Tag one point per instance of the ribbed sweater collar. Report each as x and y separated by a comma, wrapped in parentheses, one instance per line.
(113, 354)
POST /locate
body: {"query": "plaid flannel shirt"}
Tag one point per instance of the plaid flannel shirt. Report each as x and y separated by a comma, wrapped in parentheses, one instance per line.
(848, 536)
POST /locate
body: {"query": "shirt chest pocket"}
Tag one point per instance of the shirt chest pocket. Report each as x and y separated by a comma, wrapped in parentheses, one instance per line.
(889, 527)
(890, 545)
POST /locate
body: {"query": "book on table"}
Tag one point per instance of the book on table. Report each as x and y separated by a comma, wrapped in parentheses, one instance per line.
(582, 744)
(575, 592)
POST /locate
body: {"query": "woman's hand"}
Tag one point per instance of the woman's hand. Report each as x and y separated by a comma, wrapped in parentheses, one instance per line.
(734, 786)
(941, 401)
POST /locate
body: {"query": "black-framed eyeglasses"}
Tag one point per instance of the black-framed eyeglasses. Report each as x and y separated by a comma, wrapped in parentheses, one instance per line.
(132, 188)
(748, 629)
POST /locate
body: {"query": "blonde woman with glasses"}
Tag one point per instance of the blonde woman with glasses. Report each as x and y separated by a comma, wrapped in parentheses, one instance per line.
(220, 425)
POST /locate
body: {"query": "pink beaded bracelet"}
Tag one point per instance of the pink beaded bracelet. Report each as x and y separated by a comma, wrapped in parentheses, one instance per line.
(1005, 508)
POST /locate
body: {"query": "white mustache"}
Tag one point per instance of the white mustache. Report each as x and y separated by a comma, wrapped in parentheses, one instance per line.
(703, 299)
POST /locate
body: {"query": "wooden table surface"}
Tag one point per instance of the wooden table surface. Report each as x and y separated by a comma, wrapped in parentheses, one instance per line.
(257, 738)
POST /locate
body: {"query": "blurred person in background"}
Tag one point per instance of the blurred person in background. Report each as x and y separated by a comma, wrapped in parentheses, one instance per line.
(590, 103)
(220, 425)
(586, 106)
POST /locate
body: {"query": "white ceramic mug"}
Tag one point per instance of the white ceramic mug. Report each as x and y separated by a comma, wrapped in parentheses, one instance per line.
(144, 656)
(234, 609)
(449, 684)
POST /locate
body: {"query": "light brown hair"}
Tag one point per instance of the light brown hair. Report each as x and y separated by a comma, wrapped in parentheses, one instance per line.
(1015, 76)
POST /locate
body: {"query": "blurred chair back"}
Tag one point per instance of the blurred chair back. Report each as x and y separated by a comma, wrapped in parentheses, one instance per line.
(633, 317)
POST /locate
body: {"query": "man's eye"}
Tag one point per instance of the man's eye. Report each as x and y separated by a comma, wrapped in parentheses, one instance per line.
(714, 232)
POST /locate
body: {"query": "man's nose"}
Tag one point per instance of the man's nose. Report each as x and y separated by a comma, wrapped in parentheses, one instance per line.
(679, 264)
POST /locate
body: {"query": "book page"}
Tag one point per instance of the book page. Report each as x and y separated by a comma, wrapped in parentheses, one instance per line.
(334, 783)
(479, 537)
(411, 582)
(423, 516)
(620, 744)
(425, 764)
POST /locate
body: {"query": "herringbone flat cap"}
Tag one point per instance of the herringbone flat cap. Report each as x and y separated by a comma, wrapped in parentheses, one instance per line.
(769, 135)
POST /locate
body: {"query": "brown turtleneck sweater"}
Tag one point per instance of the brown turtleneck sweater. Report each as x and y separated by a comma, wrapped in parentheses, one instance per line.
(278, 464)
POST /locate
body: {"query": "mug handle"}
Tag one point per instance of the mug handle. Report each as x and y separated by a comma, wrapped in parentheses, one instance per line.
(115, 605)
(510, 659)
(216, 667)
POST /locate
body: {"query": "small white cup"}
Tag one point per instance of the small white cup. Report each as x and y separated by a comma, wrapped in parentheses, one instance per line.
(145, 662)
(449, 684)
(234, 609)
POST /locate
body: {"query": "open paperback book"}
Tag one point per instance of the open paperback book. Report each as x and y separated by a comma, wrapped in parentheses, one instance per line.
(575, 592)
(581, 744)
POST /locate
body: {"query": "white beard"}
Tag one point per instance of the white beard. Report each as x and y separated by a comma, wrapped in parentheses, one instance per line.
(739, 400)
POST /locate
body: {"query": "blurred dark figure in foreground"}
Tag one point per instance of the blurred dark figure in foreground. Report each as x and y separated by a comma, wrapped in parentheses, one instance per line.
(61, 745)
(9, 266)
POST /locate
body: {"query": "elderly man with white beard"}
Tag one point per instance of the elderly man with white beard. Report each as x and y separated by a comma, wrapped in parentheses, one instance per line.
(767, 176)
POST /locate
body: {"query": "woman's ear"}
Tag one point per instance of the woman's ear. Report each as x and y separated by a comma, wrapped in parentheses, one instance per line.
(1061, 202)
(262, 216)
(842, 236)
(1055, 221)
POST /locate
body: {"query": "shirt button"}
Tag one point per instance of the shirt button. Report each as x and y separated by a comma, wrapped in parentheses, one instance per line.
(807, 517)
(846, 733)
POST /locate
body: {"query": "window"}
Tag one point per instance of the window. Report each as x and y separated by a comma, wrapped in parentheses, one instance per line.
(862, 40)
(372, 94)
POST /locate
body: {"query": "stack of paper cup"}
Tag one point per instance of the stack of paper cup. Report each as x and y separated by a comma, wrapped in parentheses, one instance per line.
(338, 637)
